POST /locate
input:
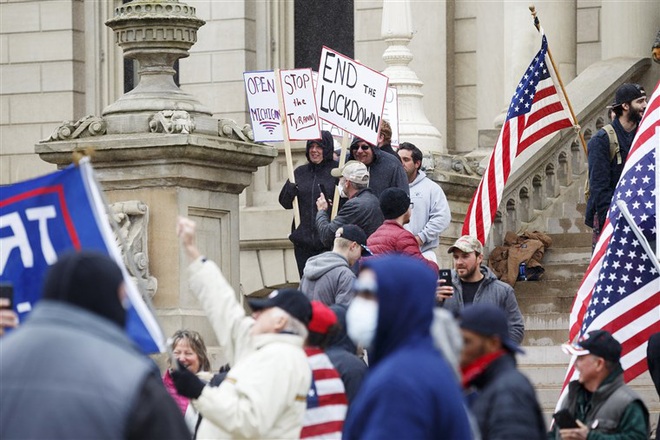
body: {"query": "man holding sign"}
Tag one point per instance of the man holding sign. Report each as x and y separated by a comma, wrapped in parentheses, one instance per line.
(311, 179)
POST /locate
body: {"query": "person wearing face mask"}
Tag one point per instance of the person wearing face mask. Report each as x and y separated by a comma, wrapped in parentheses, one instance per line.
(310, 178)
(97, 383)
(264, 394)
(410, 391)
(362, 207)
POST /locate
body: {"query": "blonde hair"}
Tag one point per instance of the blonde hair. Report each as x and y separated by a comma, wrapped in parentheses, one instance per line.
(196, 344)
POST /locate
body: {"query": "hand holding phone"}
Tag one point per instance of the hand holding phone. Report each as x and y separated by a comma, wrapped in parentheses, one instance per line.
(445, 289)
(565, 420)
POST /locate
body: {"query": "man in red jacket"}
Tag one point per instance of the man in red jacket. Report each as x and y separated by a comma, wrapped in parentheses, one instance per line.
(391, 237)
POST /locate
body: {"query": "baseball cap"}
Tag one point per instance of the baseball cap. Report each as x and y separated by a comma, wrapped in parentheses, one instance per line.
(353, 171)
(599, 343)
(488, 320)
(322, 318)
(627, 92)
(356, 234)
(467, 243)
(292, 301)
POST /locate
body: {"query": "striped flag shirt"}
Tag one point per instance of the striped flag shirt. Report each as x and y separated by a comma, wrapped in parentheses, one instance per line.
(620, 291)
(326, 400)
(537, 109)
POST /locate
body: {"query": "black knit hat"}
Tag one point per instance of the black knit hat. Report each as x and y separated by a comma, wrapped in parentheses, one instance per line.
(394, 202)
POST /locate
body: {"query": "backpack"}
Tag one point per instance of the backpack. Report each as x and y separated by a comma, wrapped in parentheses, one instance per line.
(614, 152)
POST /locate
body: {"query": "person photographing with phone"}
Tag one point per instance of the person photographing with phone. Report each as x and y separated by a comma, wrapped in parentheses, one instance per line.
(603, 406)
(473, 283)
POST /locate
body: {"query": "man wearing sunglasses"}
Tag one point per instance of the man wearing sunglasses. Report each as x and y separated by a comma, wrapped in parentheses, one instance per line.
(385, 170)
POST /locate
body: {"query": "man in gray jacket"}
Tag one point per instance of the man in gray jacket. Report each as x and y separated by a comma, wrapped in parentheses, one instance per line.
(474, 283)
(328, 277)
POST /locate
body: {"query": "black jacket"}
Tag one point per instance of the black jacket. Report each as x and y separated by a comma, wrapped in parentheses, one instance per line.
(603, 173)
(386, 171)
(362, 210)
(505, 405)
(308, 177)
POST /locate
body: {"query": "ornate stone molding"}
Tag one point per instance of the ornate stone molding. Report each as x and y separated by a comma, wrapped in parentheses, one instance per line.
(132, 217)
(84, 127)
(172, 121)
(228, 128)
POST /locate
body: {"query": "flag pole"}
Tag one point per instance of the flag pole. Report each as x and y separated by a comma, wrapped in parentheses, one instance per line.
(537, 24)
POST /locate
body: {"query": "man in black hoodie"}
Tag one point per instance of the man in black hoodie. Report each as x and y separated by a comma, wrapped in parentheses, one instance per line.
(310, 178)
(385, 170)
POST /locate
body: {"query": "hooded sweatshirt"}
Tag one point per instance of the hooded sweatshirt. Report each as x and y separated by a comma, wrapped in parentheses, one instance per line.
(431, 214)
(410, 391)
(386, 171)
(327, 278)
(341, 352)
(308, 178)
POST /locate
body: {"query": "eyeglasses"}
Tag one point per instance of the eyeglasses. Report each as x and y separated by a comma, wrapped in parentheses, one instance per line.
(363, 147)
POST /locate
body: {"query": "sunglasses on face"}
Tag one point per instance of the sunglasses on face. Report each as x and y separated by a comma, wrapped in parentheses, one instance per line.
(363, 147)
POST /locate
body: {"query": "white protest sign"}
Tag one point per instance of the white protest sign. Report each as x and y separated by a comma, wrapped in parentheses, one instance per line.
(325, 125)
(264, 106)
(299, 104)
(350, 95)
(391, 113)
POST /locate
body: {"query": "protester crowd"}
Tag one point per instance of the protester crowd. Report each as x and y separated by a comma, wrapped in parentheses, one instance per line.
(373, 344)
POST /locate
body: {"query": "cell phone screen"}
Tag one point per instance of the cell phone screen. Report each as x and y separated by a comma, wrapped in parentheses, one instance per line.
(7, 291)
(565, 420)
(445, 274)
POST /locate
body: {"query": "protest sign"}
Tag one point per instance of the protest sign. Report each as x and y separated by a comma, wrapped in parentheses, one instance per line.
(264, 107)
(299, 104)
(391, 113)
(350, 95)
(64, 211)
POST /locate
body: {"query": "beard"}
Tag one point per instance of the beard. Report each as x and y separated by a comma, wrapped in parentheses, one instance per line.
(635, 115)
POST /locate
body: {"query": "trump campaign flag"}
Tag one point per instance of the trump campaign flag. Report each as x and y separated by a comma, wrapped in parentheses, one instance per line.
(620, 291)
(537, 109)
(47, 216)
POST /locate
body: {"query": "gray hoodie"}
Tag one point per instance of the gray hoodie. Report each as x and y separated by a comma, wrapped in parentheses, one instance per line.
(327, 278)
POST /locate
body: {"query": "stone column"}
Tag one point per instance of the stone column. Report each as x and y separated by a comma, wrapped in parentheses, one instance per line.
(397, 32)
(158, 152)
(628, 29)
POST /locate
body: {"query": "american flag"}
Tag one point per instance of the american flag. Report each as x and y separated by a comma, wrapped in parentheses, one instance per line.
(538, 109)
(620, 291)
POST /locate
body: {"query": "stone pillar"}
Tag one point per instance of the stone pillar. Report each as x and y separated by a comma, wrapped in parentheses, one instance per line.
(159, 149)
(628, 29)
(397, 32)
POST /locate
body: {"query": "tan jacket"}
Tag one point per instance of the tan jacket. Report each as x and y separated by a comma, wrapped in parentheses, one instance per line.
(264, 393)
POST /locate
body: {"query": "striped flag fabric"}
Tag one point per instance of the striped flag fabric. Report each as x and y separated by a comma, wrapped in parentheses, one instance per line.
(326, 401)
(620, 291)
(537, 109)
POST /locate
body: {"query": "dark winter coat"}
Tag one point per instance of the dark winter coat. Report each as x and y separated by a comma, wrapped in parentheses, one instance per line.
(391, 237)
(363, 210)
(386, 171)
(342, 354)
(410, 391)
(505, 405)
(308, 177)
(604, 173)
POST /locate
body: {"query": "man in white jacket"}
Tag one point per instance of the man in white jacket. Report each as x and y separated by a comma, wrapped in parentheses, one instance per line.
(430, 214)
(264, 393)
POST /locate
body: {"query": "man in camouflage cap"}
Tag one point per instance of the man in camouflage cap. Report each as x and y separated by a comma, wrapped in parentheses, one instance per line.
(473, 283)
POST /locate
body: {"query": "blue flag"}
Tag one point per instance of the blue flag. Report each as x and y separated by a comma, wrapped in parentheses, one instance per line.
(47, 216)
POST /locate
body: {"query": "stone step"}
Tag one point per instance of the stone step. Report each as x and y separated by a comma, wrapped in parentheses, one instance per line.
(564, 271)
(541, 304)
(582, 239)
(576, 254)
(550, 288)
(545, 338)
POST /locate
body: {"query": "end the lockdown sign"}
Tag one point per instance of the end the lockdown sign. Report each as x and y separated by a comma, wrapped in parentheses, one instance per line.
(350, 95)
(264, 107)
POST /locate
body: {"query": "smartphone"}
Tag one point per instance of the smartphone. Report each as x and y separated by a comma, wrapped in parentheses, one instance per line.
(445, 274)
(564, 419)
(7, 291)
(322, 189)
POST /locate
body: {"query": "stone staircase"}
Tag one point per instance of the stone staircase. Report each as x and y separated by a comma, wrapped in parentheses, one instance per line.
(546, 306)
